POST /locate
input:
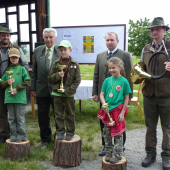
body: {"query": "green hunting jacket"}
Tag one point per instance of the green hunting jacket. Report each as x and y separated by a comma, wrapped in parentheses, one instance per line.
(73, 77)
(158, 87)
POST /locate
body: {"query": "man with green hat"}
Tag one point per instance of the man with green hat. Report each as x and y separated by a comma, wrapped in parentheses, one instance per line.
(156, 94)
(5, 46)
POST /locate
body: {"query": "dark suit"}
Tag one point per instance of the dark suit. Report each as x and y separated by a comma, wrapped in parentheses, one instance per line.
(43, 88)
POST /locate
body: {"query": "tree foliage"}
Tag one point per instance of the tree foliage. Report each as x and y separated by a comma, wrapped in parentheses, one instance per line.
(23, 47)
(139, 36)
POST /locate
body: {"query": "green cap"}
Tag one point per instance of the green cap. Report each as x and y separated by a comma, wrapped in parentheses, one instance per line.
(158, 22)
(5, 29)
(64, 43)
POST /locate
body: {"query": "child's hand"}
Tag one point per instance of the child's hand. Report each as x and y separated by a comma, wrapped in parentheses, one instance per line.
(121, 117)
(14, 92)
(10, 81)
(106, 110)
(61, 74)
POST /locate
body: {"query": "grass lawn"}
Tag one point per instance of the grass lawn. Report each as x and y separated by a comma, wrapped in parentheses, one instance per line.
(87, 127)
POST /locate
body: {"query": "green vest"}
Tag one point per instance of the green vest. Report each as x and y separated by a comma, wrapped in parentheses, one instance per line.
(158, 87)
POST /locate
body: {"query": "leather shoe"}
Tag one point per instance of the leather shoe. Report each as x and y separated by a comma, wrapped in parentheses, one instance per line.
(102, 153)
(148, 160)
(166, 164)
(3, 139)
(60, 136)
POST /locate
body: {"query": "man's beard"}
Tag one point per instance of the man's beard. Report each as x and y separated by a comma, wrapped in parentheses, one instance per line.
(4, 43)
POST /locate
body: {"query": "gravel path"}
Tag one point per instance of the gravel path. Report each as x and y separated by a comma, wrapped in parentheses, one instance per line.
(135, 153)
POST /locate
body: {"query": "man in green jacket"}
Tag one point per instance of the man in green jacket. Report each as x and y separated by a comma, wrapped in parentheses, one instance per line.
(101, 71)
(41, 87)
(156, 94)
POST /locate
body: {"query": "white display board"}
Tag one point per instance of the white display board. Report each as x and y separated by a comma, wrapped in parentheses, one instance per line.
(75, 35)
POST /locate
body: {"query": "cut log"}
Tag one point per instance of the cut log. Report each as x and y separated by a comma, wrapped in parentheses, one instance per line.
(67, 153)
(121, 165)
(15, 151)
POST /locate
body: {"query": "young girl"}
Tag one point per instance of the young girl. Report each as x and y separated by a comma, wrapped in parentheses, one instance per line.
(16, 98)
(115, 92)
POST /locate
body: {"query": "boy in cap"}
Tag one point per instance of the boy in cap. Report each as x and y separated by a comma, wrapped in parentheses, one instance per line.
(64, 98)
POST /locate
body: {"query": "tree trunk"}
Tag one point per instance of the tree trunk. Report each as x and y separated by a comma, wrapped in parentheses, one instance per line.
(15, 151)
(121, 165)
(67, 153)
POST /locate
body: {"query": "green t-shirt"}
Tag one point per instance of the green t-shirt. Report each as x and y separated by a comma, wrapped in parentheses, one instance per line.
(120, 89)
(20, 74)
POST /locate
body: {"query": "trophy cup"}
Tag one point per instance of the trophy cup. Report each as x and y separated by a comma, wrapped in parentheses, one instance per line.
(61, 67)
(105, 106)
(9, 73)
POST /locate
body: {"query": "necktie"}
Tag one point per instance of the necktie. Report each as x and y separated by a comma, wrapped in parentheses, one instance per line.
(47, 59)
(110, 53)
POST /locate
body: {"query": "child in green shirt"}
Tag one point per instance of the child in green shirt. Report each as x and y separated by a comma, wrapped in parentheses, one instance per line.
(15, 97)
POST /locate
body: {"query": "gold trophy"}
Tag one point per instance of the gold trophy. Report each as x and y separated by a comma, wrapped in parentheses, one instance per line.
(105, 106)
(9, 73)
(61, 67)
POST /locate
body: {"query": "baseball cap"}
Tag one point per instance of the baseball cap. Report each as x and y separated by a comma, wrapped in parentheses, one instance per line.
(64, 43)
(14, 52)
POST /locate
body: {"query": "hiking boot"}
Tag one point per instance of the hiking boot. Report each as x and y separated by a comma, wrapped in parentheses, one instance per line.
(68, 137)
(102, 153)
(114, 160)
(148, 160)
(166, 164)
(108, 157)
(60, 136)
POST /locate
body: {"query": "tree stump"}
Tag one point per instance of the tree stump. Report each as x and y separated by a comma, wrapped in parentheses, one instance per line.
(67, 153)
(15, 151)
(121, 165)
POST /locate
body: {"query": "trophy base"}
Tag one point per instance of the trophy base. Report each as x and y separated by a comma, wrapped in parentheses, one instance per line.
(61, 90)
(10, 92)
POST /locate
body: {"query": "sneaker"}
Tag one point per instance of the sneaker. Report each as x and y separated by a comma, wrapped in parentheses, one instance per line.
(148, 160)
(68, 137)
(102, 153)
(60, 136)
(13, 140)
(18, 140)
(166, 164)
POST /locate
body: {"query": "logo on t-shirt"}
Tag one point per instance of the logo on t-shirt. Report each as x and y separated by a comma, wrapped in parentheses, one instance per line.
(118, 87)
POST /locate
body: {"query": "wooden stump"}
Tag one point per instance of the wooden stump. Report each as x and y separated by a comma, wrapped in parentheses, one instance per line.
(121, 165)
(15, 151)
(67, 153)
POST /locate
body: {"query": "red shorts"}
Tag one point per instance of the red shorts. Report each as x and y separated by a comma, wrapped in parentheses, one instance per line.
(119, 127)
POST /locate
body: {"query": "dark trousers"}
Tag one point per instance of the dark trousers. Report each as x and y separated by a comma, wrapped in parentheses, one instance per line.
(44, 117)
(61, 105)
(102, 126)
(4, 126)
(155, 107)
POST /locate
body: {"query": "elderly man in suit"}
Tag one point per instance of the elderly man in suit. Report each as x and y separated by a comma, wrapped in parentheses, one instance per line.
(101, 72)
(41, 87)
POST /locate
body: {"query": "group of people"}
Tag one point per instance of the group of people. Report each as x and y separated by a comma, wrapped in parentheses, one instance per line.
(112, 86)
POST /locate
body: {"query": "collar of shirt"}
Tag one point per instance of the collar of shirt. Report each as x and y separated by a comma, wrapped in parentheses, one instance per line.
(51, 50)
(154, 46)
(112, 51)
